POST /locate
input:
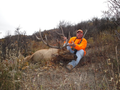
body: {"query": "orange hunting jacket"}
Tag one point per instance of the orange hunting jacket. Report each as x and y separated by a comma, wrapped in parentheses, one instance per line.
(82, 45)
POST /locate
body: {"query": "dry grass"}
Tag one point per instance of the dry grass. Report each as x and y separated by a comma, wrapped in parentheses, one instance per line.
(98, 70)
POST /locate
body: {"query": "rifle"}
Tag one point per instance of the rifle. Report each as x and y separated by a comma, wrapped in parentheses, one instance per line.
(80, 42)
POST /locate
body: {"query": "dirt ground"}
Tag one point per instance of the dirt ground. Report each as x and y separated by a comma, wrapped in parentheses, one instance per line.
(82, 77)
(88, 75)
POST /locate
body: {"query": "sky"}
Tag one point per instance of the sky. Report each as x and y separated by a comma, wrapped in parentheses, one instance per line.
(32, 15)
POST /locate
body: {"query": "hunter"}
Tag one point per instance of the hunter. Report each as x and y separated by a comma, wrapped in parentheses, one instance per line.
(76, 45)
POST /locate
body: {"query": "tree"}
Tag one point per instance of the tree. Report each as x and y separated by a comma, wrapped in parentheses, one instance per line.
(113, 10)
(22, 42)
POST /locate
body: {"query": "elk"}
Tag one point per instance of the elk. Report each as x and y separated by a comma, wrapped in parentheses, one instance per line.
(45, 54)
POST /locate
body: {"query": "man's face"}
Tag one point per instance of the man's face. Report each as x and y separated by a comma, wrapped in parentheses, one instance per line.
(79, 35)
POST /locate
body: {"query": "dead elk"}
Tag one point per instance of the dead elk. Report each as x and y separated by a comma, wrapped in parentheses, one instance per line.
(45, 54)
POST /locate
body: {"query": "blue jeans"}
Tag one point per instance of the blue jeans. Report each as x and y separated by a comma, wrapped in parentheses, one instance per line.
(79, 54)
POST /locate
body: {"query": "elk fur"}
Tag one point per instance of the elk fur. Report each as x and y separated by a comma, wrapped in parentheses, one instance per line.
(43, 54)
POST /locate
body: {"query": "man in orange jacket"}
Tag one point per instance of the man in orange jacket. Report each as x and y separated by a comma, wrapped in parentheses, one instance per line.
(76, 46)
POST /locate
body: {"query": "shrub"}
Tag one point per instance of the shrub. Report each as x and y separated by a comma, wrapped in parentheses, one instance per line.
(9, 78)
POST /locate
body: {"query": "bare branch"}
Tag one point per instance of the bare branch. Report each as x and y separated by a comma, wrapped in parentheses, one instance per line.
(118, 34)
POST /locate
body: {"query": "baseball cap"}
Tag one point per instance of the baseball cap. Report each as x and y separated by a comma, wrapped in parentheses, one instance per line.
(79, 30)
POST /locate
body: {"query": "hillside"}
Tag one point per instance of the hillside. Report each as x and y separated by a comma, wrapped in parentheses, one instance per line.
(98, 70)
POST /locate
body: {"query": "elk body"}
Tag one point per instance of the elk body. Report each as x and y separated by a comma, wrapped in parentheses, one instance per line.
(43, 54)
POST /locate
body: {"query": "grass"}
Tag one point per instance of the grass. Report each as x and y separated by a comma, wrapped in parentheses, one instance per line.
(9, 78)
(99, 72)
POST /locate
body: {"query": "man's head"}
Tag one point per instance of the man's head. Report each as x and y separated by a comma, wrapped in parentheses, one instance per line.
(79, 33)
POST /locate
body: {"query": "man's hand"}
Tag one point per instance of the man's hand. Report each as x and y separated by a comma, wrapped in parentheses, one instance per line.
(72, 44)
(65, 38)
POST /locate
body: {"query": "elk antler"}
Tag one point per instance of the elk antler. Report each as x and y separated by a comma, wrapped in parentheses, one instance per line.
(46, 42)
(62, 34)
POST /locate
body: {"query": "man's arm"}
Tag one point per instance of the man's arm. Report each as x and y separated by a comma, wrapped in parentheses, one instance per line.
(70, 43)
(82, 45)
